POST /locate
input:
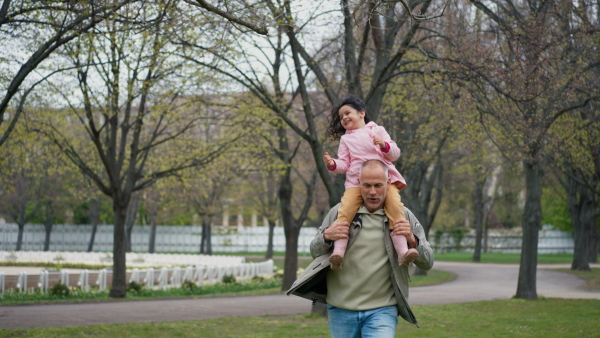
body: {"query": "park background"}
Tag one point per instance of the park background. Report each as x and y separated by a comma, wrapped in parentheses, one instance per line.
(180, 112)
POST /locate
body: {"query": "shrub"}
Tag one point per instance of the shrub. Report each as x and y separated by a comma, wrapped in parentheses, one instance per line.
(188, 285)
(278, 273)
(59, 289)
(458, 234)
(134, 287)
(228, 279)
(258, 279)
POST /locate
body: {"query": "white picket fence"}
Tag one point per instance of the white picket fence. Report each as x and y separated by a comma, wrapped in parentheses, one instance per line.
(168, 238)
(506, 241)
(199, 269)
(247, 239)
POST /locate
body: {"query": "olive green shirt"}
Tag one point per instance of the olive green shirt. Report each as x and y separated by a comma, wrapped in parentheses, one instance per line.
(364, 281)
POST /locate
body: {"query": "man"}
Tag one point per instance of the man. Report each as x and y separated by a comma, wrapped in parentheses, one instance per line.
(365, 298)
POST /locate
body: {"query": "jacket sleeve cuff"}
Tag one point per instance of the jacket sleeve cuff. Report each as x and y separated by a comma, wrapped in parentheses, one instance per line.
(387, 148)
(332, 168)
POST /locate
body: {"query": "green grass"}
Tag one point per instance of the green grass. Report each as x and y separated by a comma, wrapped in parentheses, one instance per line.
(269, 286)
(433, 277)
(54, 265)
(502, 258)
(502, 318)
(592, 278)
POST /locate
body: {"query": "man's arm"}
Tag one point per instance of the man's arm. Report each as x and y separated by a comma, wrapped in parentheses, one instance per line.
(415, 236)
(329, 231)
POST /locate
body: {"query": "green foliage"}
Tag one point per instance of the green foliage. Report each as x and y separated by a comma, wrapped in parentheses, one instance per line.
(438, 236)
(508, 206)
(135, 287)
(81, 212)
(59, 289)
(457, 235)
(188, 285)
(258, 279)
(228, 279)
(52, 265)
(266, 286)
(555, 210)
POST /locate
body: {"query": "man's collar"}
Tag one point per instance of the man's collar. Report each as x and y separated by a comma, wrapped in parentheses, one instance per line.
(364, 210)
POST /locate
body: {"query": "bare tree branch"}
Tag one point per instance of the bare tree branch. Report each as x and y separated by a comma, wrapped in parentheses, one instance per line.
(203, 4)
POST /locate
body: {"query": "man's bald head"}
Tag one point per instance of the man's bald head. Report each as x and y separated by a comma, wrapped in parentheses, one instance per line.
(374, 184)
(374, 164)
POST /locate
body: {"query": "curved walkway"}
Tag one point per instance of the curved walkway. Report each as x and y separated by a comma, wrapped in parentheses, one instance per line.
(474, 282)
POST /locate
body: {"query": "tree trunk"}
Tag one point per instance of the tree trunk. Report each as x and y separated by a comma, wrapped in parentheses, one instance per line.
(590, 222)
(48, 228)
(203, 238)
(152, 240)
(95, 217)
(594, 248)
(209, 239)
(130, 219)
(118, 289)
(532, 215)
(48, 223)
(20, 236)
(269, 254)
(576, 198)
(291, 231)
(478, 205)
(291, 255)
(205, 242)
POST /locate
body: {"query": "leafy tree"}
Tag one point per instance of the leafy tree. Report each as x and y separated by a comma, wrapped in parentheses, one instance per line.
(134, 114)
(21, 195)
(516, 72)
(39, 29)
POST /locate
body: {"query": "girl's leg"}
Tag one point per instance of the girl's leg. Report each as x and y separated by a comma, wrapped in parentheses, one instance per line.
(351, 201)
(393, 209)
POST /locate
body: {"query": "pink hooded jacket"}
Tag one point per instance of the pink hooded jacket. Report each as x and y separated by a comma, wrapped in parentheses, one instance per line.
(356, 147)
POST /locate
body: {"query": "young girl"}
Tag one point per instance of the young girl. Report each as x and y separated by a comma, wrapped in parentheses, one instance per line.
(363, 140)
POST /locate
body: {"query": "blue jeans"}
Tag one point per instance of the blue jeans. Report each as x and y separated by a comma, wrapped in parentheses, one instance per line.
(378, 323)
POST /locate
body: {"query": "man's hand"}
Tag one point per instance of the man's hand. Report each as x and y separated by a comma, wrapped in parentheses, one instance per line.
(402, 228)
(337, 230)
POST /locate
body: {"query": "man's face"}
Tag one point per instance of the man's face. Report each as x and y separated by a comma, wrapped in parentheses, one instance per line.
(373, 187)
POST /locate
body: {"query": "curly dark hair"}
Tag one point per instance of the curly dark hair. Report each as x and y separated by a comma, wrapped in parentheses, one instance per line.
(335, 130)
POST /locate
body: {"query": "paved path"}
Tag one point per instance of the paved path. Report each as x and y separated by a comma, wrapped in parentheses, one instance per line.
(474, 282)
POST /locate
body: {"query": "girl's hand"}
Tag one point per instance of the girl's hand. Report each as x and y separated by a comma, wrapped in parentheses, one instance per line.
(328, 160)
(379, 141)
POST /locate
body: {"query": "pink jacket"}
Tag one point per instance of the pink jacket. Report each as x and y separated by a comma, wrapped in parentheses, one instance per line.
(356, 147)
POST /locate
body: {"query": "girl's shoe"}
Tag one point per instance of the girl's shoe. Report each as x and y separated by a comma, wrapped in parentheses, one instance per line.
(410, 256)
(336, 261)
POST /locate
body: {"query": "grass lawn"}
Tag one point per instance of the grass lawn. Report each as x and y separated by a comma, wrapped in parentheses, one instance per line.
(502, 258)
(592, 279)
(502, 318)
